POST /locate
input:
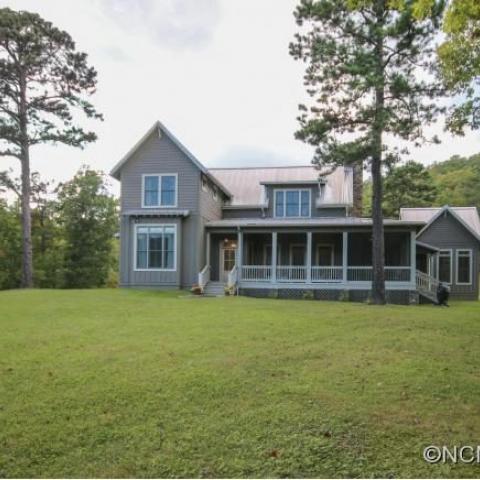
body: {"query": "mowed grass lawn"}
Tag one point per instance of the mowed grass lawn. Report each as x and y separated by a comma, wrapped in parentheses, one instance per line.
(117, 383)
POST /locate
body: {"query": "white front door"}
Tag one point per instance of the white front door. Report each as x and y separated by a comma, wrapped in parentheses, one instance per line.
(227, 261)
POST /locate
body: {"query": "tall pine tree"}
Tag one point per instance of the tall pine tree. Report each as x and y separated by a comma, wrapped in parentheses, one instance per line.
(370, 70)
(42, 79)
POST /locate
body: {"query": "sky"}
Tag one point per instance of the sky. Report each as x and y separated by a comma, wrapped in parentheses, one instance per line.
(217, 73)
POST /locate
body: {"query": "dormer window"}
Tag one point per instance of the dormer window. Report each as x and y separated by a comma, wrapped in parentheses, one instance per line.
(292, 203)
(159, 190)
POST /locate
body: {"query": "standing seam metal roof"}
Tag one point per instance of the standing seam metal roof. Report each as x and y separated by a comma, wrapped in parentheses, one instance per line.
(246, 183)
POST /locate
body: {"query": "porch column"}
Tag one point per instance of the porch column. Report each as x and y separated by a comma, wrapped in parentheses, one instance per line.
(345, 256)
(274, 257)
(239, 254)
(413, 257)
(309, 257)
(207, 257)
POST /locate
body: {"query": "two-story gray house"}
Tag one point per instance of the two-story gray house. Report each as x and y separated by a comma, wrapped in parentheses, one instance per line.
(278, 232)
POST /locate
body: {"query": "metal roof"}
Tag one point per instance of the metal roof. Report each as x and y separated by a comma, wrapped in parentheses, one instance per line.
(308, 222)
(468, 216)
(246, 184)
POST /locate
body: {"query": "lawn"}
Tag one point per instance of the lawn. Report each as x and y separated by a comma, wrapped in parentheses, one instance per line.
(117, 383)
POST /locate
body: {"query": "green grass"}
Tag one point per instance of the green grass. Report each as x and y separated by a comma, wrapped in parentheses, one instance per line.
(117, 383)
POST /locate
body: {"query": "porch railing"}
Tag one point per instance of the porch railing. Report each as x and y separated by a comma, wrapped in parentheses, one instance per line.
(426, 284)
(256, 273)
(288, 273)
(204, 277)
(327, 274)
(232, 277)
(291, 274)
(365, 274)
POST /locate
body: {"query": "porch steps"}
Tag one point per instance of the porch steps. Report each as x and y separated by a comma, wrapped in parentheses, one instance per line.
(214, 289)
(431, 297)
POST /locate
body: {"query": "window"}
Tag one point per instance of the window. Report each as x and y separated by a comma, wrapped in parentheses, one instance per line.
(292, 203)
(297, 254)
(160, 190)
(464, 267)
(155, 247)
(325, 255)
(215, 193)
(204, 184)
(445, 266)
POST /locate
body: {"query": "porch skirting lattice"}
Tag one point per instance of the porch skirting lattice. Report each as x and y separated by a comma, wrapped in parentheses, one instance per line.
(399, 297)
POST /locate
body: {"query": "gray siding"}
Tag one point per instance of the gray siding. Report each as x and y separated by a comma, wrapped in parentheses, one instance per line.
(128, 275)
(242, 213)
(161, 155)
(447, 233)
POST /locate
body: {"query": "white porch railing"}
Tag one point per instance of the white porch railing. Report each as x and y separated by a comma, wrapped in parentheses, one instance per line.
(232, 277)
(334, 274)
(327, 274)
(204, 277)
(256, 273)
(365, 274)
(291, 274)
(426, 284)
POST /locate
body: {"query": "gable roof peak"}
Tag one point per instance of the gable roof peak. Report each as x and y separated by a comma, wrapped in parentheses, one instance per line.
(162, 129)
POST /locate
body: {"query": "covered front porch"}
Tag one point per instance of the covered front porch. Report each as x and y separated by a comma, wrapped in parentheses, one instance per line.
(307, 259)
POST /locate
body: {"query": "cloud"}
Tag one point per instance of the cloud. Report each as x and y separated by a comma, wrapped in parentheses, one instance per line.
(114, 53)
(177, 24)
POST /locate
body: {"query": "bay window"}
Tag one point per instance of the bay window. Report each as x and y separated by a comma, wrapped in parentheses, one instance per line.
(159, 190)
(292, 203)
(155, 247)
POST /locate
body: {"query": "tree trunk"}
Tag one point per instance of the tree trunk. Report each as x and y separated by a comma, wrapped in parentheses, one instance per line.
(27, 257)
(378, 244)
(357, 208)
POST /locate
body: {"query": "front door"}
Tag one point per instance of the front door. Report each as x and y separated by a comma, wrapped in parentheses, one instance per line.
(227, 261)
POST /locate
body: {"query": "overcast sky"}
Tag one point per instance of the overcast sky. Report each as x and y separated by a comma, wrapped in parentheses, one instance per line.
(217, 73)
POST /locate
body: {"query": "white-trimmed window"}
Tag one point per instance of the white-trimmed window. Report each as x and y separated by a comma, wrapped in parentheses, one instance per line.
(464, 267)
(159, 190)
(215, 192)
(445, 266)
(155, 247)
(292, 203)
(325, 254)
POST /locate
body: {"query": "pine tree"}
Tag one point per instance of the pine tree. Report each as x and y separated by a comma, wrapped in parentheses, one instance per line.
(409, 185)
(370, 70)
(42, 79)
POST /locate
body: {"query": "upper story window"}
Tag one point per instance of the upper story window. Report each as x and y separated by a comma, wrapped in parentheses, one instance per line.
(215, 193)
(160, 190)
(292, 203)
